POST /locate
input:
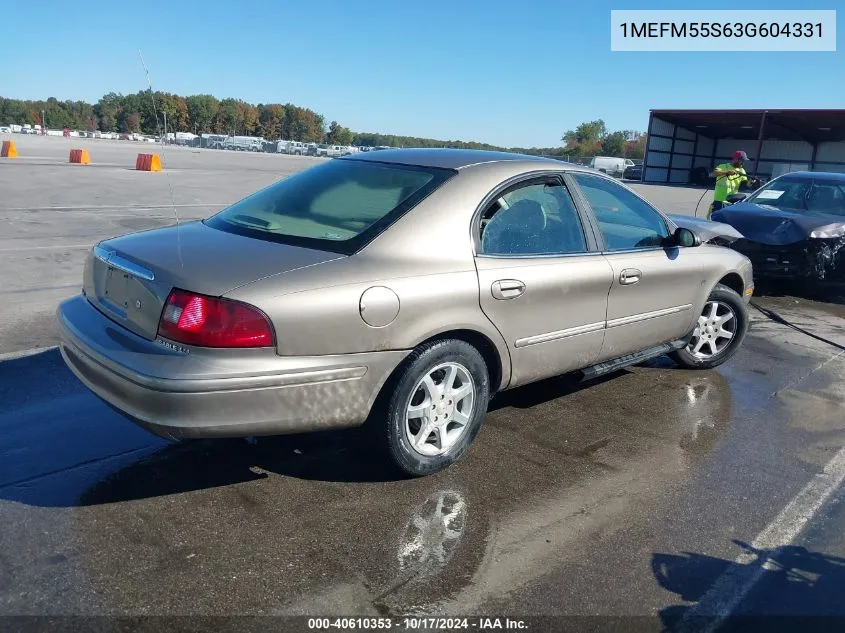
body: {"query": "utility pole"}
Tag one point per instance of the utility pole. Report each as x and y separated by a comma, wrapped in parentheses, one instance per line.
(43, 123)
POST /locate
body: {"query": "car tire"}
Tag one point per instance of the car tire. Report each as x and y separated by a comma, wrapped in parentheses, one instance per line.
(708, 346)
(410, 389)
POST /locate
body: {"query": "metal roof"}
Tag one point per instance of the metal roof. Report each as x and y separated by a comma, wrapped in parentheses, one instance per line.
(813, 126)
(446, 158)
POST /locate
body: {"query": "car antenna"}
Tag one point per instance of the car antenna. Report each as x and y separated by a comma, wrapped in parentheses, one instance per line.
(163, 142)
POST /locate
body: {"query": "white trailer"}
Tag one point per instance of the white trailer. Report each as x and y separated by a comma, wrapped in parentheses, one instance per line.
(244, 143)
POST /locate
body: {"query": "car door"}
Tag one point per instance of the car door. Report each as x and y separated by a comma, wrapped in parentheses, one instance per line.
(542, 281)
(656, 287)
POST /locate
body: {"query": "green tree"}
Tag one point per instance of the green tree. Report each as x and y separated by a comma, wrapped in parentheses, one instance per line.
(586, 138)
(131, 122)
(302, 124)
(174, 109)
(271, 119)
(635, 148)
(107, 110)
(614, 144)
(248, 116)
(339, 135)
(202, 110)
(226, 120)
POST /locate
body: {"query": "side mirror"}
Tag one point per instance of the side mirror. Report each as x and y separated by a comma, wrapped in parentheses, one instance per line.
(737, 197)
(685, 237)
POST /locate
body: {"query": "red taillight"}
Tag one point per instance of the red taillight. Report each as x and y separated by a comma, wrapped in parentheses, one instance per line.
(195, 319)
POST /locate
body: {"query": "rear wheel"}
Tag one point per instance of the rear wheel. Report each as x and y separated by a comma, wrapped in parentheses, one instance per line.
(436, 406)
(720, 330)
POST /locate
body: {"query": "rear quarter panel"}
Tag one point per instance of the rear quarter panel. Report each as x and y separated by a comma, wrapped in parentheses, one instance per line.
(318, 311)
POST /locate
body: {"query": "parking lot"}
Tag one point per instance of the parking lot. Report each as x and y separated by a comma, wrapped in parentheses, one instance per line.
(626, 497)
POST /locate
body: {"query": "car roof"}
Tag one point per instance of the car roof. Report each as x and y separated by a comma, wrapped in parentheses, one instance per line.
(818, 175)
(450, 158)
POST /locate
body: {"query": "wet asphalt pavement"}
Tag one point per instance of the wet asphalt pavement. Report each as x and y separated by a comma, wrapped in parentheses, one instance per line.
(576, 499)
(627, 497)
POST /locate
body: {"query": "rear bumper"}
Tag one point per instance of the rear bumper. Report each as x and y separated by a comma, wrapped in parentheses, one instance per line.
(217, 393)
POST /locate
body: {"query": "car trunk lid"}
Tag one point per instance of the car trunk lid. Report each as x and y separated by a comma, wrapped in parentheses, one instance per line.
(129, 278)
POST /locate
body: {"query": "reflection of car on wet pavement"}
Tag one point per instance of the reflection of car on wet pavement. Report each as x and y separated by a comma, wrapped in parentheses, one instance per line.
(433, 532)
(793, 227)
(404, 287)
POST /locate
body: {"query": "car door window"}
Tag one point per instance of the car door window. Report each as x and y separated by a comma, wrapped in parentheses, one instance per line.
(826, 198)
(625, 220)
(533, 219)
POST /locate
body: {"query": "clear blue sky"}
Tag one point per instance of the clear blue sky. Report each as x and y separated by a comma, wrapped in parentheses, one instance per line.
(509, 73)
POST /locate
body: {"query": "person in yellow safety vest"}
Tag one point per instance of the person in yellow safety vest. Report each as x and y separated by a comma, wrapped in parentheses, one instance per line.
(729, 177)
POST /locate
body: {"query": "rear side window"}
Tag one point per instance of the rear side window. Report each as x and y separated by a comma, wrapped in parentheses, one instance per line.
(533, 219)
(337, 206)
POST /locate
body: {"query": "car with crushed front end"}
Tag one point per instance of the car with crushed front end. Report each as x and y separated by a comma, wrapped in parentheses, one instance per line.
(398, 290)
(793, 227)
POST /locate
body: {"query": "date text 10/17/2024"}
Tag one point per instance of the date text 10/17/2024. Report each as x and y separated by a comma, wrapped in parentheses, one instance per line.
(418, 624)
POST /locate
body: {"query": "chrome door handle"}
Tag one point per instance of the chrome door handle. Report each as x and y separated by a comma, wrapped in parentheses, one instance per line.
(507, 289)
(630, 276)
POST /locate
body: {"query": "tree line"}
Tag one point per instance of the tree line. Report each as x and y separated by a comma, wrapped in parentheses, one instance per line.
(592, 138)
(145, 113)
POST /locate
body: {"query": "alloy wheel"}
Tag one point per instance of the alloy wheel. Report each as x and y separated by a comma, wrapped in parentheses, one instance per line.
(715, 330)
(440, 408)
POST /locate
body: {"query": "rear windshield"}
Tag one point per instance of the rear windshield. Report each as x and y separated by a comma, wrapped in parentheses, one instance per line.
(803, 194)
(337, 206)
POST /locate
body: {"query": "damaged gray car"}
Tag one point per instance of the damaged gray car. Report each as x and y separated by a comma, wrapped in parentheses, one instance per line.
(793, 228)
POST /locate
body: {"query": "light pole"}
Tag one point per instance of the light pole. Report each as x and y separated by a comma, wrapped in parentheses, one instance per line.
(43, 123)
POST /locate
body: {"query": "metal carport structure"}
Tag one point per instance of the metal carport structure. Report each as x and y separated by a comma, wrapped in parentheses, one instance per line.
(683, 144)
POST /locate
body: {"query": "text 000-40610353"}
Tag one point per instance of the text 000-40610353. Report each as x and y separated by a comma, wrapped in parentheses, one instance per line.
(417, 623)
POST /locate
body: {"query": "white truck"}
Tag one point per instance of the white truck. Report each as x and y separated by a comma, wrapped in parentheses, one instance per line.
(611, 165)
(331, 151)
(244, 143)
(296, 148)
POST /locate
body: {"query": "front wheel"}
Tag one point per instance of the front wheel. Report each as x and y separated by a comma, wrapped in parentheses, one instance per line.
(436, 406)
(720, 330)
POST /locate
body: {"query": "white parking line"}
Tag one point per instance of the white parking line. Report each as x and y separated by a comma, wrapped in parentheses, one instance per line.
(19, 249)
(716, 606)
(89, 207)
(26, 352)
